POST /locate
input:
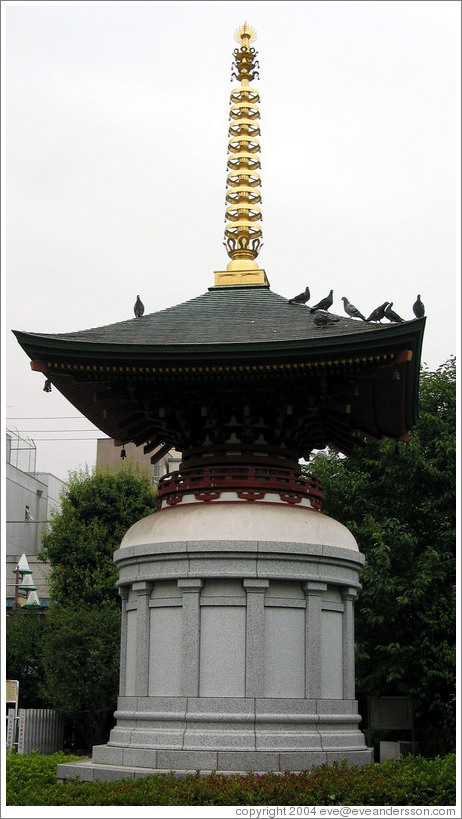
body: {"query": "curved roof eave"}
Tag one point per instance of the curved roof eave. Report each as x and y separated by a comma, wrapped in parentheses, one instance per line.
(327, 340)
(225, 321)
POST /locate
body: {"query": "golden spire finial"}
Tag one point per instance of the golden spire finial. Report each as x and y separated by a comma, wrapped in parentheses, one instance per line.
(245, 31)
(243, 231)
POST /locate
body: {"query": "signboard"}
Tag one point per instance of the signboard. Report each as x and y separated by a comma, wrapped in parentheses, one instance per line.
(387, 713)
(12, 691)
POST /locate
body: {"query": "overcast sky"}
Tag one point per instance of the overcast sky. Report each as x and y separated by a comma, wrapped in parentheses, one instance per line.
(115, 157)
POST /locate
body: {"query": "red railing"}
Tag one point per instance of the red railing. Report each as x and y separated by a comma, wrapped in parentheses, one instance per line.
(250, 483)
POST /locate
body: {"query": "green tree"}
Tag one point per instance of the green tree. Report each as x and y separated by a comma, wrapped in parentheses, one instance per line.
(399, 501)
(81, 640)
(96, 511)
(25, 633)
(81, 669)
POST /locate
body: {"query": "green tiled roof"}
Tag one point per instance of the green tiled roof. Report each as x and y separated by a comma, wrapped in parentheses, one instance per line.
(147, 379)
(241, 316)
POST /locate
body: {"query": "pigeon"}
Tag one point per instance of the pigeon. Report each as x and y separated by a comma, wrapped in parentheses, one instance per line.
(323, 319)
(419, 309)
(324, 304)
(302, 298)
(378, 313)
(139, 307)
(390, 314)
(351, 310)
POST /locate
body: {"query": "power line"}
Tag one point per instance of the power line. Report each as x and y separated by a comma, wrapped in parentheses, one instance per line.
(51, 431)
(43, 417)
(68, 439)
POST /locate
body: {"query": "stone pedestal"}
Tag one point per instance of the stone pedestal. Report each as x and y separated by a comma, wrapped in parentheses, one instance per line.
(237, 642)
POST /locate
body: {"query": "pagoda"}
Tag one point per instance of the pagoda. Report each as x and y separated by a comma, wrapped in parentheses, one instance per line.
(237, 644)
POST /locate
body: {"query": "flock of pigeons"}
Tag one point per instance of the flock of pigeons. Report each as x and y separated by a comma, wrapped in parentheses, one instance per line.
(324, 318)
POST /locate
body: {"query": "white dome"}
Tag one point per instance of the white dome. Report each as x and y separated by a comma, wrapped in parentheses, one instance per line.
(240, 521)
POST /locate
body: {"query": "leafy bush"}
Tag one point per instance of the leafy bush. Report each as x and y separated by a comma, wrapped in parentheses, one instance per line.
(68, 660)
(96, 510)
(25, 634)
(399, 502)
(81, 654)
(31, 780)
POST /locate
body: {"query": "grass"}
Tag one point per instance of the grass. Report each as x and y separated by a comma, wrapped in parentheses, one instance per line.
(31, 780)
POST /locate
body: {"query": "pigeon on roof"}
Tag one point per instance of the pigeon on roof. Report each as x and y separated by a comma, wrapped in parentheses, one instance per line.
(378, 313)
(351, 310)
(324, 304)
(418, 308)
(322, 319)
(390, 314)
(139, 307)
(302, 298)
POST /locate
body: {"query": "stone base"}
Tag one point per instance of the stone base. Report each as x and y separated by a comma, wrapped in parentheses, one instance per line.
(226, 735)
(183, 763)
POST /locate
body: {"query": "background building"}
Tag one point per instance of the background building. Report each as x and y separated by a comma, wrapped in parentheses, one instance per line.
(32, 496)
(108, 453)
(30, 499)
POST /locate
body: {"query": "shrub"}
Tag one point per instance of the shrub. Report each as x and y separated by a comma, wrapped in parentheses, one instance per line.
(81, 669)
(25, 634)
(31, 780)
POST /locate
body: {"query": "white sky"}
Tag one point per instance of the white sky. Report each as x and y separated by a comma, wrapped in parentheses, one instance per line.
(115, 120)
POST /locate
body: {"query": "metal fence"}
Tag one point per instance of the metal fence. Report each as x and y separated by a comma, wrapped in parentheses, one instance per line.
(35, 729)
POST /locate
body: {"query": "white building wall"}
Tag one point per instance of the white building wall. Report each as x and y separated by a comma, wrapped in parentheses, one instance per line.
(29, 499)
(26, 507)
(55, 487)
